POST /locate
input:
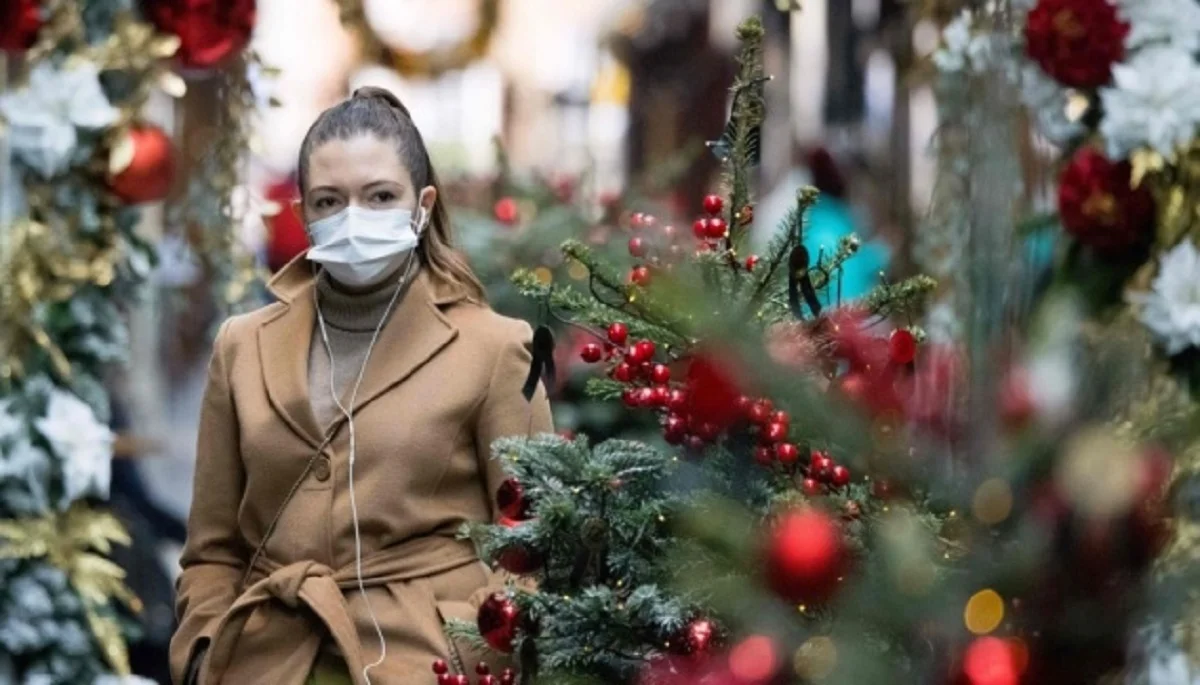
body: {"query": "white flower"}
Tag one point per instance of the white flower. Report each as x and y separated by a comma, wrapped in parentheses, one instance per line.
(1154, 103)
(1048, 101)
(965, 48)
(42, 116)
(956, 39)
(83, 444)
(1171, 310)
(1175, 22)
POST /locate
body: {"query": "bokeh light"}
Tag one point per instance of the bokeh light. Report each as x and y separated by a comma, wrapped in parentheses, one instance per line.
(984, 612)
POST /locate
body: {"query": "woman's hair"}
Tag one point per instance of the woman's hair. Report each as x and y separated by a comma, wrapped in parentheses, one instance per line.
(378, 112)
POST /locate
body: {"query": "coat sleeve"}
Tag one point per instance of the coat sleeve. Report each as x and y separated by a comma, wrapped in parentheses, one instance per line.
(214, 556)
(505, 412)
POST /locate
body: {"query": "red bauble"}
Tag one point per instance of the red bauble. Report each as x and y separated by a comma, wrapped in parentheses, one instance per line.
(623, 372)
(764, 455)
(640, 276)
(210, 31)
(1099, 208)
(713, 204)
(510, 498)
(990, 661)
(805, 556)
(618, 333)
(519, 559)
(713, 391)
(902, 346)
(716, 228)
(1076, 41)
(637, 247)
(788, 453)
(20, 21)
(591, 353)
(840, 476)
(660, 374)
(751, 262)
(287, 236)
(497, 620)
(151, 171)
(811, 487)
(775, 432)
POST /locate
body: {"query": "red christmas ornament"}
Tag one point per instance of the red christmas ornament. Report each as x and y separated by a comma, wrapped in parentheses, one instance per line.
(660, 374)
(805, 556)
(751, 262)
(788, 453)
(637, 247)
(20, 21)
(519, 559)
(1076, 41)
(713, 391)
(287, 236)
(506, 211)
(618, 333)
(716, 228)
(764, 455)
(591, 353)
(210, 31)
(990, 661)
(1099, 208)
(840, 476)
(151, 170)
(497, 620)
(775, 432)
(713, 204)
(902, 346)
(510, 498)
(640, 276)
(623, 372)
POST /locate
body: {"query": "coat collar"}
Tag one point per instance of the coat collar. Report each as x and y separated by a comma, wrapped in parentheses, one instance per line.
(414, 334)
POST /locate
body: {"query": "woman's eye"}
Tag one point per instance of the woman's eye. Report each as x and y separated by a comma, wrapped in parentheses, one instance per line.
(324, 202)
(384, 196)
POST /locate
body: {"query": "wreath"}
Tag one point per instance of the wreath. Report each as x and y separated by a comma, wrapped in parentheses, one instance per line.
(432, 63)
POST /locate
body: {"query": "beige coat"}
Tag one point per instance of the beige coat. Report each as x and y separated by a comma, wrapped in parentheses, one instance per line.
(443, 382)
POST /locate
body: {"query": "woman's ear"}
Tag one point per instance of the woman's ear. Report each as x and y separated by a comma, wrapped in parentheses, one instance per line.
(426, 202)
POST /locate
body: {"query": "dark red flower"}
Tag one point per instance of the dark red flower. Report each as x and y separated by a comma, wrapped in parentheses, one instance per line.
(1099, 207)
(210, 31)
(1076, 41)
(20, 21)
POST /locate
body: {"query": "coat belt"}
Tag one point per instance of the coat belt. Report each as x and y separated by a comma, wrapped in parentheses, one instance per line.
(276, 591)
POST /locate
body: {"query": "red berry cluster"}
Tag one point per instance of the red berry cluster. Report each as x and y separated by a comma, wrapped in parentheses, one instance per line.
(653, 247)
(442, 670)
(823, 472)
(711, 228)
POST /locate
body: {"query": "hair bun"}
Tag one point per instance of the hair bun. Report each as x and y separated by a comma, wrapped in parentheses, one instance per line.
(382, 95)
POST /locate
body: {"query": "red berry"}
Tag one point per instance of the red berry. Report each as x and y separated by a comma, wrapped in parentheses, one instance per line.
(709, 432)
(787, 453)
(811, 487)
(902, 346)
(644, 350)
(775, 432)
(482, 669)
(674, 429)
(660, 374)
(841, 476)
(623, 372)
(677, 401)
(592, 353)
(759, 413)
(821, 467)
(487, 680)
(716, 228)
(764, 455)
(637, 221)
(743, 405)
(640, 276)
(751, 262)
(445, 679)
(781, 417)
(649, 221)
(630, 397)
(506, 211)
(700, 228)
(461, 679)
(713, 204)
(618, 333)
(644, 370)
(509, 677)
(637, 247)
(661, 394)
(645, 397)
(670, 232)
(440, 667)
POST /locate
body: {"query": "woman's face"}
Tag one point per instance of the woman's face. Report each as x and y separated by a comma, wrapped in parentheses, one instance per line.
(364, 171)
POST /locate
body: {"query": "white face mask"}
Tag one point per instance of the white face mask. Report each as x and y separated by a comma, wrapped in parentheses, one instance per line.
(361, 247)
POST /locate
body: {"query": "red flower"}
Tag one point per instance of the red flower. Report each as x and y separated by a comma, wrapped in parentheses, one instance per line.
(1076, 41)
(210, 31)
(1099, 207)
(20, 21)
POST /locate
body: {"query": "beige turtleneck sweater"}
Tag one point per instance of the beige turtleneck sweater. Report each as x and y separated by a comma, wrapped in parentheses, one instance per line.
(350, 320)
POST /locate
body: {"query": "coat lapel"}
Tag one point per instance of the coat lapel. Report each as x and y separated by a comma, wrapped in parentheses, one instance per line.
(414, 334)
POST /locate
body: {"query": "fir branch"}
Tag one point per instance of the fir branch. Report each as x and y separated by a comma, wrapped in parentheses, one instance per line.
(746, 119)
(822, 274)
(906, 295)
(789, 234)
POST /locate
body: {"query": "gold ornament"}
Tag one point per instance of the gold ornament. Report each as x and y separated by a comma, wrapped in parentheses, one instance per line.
(76, 541)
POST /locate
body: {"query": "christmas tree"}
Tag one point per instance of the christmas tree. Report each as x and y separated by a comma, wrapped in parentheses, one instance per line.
(76, 160)
(836, 499)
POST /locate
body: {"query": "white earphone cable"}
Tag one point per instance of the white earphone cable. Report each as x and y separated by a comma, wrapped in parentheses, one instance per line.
(349, 415)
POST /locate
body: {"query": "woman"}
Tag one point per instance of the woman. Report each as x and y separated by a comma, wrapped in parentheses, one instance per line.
(345, 434)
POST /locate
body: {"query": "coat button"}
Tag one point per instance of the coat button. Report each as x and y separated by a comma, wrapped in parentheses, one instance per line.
(321, 469)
